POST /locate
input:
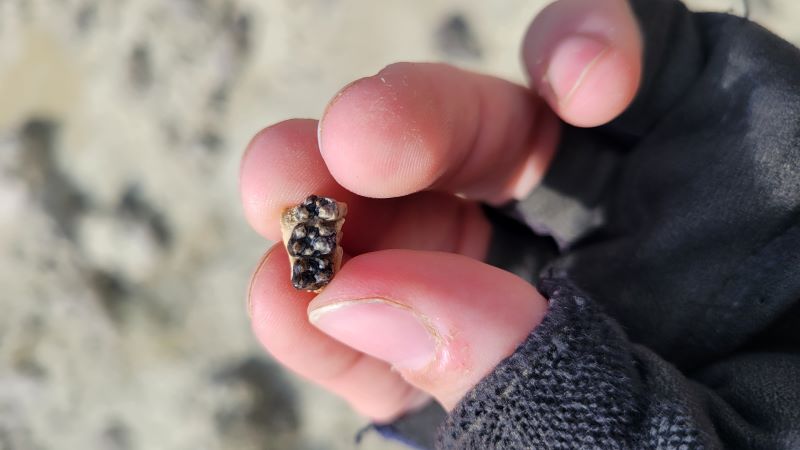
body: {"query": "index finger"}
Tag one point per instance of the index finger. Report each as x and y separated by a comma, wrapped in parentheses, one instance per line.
(413, 127)
(282, 166)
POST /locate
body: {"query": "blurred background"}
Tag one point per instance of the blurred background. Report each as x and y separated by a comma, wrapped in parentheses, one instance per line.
(124, 254)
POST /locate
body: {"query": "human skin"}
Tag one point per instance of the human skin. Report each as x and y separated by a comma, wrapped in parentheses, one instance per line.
(415, 313)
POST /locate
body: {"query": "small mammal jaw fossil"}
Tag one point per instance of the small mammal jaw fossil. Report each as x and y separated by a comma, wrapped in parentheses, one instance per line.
(311, 233)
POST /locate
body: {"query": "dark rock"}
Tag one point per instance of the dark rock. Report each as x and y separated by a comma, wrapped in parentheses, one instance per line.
(241, 30)
(86, 16)
(211, 141)
(112, 291)
(455, 38)
(270, 411)
(59, 195)
(140, 66)
(134, 206)
(117, 436)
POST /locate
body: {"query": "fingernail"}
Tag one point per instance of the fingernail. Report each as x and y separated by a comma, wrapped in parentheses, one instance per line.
(570, 62)
(381, 328)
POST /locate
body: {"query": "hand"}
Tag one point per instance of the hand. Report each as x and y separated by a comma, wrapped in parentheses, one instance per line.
(415, 313)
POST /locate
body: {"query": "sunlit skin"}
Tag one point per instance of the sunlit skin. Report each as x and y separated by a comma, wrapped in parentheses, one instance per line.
(397, 147)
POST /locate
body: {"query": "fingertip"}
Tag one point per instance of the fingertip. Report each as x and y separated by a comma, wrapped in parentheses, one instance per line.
(276, 312)
(267, 165)
(603, 89)
(264, 258)
(585, 58)
(418, 126)
(280, 324)
(443, 321)
(378, 136)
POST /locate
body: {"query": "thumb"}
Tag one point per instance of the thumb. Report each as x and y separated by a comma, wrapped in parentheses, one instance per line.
(442, 321)
(585, 58)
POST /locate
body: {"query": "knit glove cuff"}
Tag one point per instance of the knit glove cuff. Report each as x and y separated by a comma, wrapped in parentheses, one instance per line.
(572, 384)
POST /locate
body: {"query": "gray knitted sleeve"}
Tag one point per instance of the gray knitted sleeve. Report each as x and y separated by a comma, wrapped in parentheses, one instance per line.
(577, 382)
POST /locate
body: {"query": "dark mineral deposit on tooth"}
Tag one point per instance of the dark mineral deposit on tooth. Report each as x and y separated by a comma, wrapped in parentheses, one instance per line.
(311, 233)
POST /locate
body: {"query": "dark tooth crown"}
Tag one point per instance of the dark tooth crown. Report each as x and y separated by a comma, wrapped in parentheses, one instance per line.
(299, 231)
(313, 242)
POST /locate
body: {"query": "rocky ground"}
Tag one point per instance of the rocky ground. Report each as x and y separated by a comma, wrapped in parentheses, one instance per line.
(124, 253)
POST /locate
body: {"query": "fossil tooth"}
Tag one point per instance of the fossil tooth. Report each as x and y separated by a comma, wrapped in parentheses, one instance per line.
(312, 232)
